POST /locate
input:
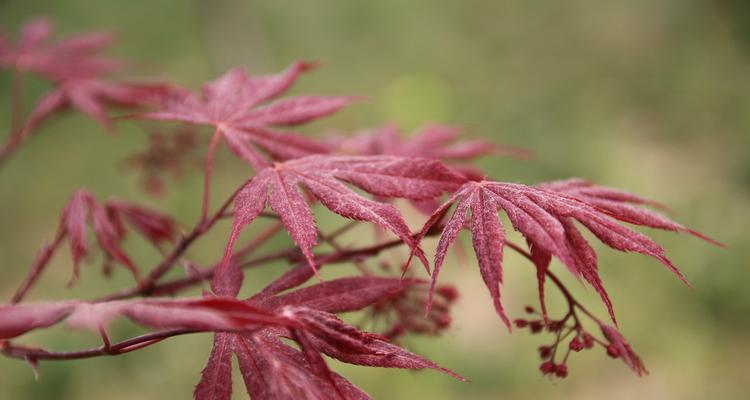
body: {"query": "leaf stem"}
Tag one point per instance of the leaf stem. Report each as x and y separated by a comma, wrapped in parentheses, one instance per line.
(560, 285)
(112, 349)
(185, 242)
(15, 135)
(207, 175)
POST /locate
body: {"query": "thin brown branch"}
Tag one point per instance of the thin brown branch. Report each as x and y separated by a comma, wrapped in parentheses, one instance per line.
(125, 346)
(169, 261)
(560, 285)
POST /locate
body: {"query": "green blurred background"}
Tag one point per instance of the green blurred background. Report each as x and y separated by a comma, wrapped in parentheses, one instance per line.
(651, 96)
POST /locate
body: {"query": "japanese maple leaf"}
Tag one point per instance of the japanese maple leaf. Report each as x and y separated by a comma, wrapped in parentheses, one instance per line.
(546, 218)
(81, 209)
(232, 102)
(432, 141)
(620, 204)
(107, 223)
(167, 155)
(156, 227)
(384, 176)
(620, 348)
(271, 369)
(207, 314)
(91, 96)
(71, 57)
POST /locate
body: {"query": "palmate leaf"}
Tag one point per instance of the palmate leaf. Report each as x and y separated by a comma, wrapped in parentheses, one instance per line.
(109, 222)
(210, 314)
(76, 69)
(440, 142)
(384, 176)
(71, 57)
(92, 97)
(271, 369)
(545, 215)
(232, 105)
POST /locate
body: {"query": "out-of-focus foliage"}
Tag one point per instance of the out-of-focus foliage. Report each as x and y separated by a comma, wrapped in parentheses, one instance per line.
(648, 96)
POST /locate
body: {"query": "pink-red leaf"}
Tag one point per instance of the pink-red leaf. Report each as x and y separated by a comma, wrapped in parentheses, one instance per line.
(342, 295)
(209, 314)
(395, 176)
(71, 57)
(230, 104)
(545, 217)
(19, 319)
(216, 378)
(155, 226)
(348, 344)
(623, 350)
(294, 111)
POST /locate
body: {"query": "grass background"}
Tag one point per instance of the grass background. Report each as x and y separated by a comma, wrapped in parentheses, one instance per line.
(651, 96)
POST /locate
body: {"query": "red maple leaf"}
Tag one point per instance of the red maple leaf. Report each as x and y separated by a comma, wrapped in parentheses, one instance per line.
(75, 69)
(167, 155)
(207, 314)
(384, 176)
(231, 105)
(71, 57)
(106, 221)
(156, 227)
(272, 369)
(82, 209)
(620, 348)
(91, 96)
(439, 142)
(432, 141)
(546, 218)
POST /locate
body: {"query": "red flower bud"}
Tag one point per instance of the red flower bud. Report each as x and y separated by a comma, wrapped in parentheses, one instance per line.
(588, 341)
(548, 367)
(536, 326)
(521, 323)
(448, 292)
(545, 352)
(443, 321)
(576, 344)
(561, 371)
(529, 309)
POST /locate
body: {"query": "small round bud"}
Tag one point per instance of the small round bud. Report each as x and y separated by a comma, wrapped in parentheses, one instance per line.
(576, 344)
(561, 371)
(449, 293)
(545, 352)
(613, 351)
(548, 367)
(536, 326)
(588, 341)
(443, 321)
(521, 323)
(529, 309)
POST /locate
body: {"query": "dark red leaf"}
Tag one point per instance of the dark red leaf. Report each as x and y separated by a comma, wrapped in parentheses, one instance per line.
(545, 217)
(153, 225)
(230, 104)
(216, 378)
(71, 57)
(342, 295)
(411, 178)
(350, 345)
(623, 349)
(92, 97)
